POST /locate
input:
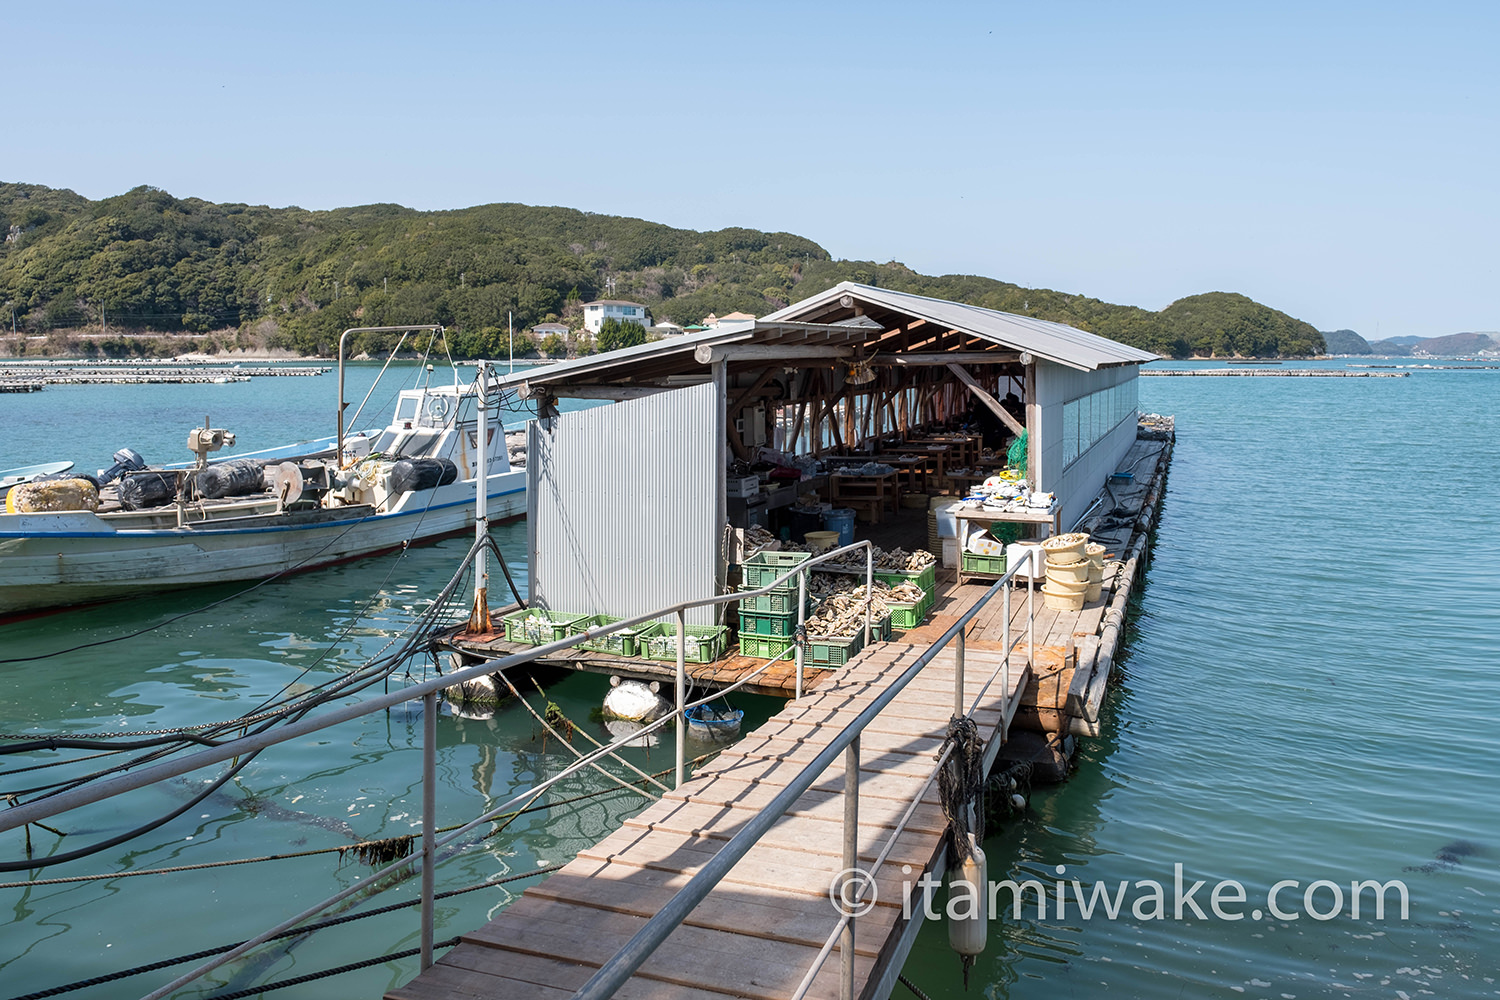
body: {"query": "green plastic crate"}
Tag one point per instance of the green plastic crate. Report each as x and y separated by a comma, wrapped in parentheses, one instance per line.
(621, 643)
(763, 568)
(834, 651)
(994, 565)
(762, 647)
(538, 626)
(908, 616)
(705, 643)
(775, 602)
(926, 579)
(757, 623)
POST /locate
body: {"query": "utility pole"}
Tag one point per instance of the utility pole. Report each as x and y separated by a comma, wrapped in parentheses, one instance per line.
(510, 326)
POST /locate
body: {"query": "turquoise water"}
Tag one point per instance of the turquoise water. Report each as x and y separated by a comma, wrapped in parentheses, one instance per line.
(1307, 693)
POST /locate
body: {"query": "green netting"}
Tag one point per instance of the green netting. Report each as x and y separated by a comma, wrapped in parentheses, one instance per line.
(1005, 531)
(1016, 456)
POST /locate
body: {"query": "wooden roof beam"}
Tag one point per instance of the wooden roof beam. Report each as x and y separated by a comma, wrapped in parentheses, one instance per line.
(708, 354)
(947, 358)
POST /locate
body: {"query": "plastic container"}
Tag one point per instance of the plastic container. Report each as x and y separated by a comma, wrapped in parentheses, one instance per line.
(705, 643)
(621, 643)
(538, 626)
(821, 541)
(1095, 590)
(763, 568)
(1067, 586)
(763, 648)
(767, 623)
(1034, 572)
(1064, 549)
(1095, 553)
(950, 552)
(1061, 601)
(925, 578)
(1070, 574)
(775, 602)
(947, 523)
(840, 519)
(984, 564)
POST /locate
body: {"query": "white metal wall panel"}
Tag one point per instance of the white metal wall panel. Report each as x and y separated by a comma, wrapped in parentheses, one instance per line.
(1077, 479)
(623, 505)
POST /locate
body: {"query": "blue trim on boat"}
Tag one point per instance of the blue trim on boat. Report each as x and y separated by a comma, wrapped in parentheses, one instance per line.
(197, 532)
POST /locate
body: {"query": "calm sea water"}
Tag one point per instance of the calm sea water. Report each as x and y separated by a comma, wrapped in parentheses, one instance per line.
(1308, 693)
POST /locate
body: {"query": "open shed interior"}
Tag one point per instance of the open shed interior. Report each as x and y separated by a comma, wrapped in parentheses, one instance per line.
(857, 411)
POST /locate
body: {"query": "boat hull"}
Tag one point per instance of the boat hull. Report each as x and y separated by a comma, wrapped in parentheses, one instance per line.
(57, 560)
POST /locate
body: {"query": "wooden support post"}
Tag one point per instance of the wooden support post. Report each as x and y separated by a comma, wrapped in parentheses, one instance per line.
(988, 400)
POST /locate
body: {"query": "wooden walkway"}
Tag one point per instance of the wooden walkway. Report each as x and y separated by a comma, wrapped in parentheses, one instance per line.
(758, 932)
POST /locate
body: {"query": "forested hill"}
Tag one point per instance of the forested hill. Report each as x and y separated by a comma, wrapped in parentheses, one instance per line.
(293, 278)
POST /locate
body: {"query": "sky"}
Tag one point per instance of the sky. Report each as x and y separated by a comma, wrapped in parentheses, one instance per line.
(1337, 161)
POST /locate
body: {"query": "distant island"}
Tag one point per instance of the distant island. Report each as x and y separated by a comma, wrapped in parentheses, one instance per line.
(146, 273)
(1453, 345)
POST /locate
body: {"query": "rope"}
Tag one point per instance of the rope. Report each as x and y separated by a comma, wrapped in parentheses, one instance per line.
(320, 925)
(961, 785)
(106, 876)
(901, 978)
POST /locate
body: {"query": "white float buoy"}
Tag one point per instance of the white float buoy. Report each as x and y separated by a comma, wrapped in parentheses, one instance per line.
(1018, 802)
(968, 923)
(635, 701)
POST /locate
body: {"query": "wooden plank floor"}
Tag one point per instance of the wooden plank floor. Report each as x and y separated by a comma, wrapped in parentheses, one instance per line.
(758, 932)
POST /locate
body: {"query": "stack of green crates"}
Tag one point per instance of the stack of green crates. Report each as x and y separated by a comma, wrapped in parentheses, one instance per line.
(768, 621)
(926, 579)
(835, 651)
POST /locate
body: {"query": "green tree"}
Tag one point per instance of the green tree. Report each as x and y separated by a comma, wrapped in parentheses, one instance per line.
(613, 335)
(552, 345)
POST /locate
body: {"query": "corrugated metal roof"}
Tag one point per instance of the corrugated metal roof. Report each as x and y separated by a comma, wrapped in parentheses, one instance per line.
(1057, 342)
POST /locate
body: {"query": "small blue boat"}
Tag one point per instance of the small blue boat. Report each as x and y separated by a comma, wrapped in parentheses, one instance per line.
(712, 725)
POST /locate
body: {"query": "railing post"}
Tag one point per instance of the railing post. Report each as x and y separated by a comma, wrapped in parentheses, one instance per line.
(1031, 610)
(958, 675)
(1005, 663)
(429, 819)
(801, 630)
(851, 861)
(681, 693)
(869, 586)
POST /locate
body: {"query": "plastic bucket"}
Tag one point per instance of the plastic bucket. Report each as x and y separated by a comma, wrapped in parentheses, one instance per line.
(1059, 601)
(1095, 589)
(1070, 575)
(1064, 549)
(821, 541)
(1095, 553)
(840, 519)
(1066, 586)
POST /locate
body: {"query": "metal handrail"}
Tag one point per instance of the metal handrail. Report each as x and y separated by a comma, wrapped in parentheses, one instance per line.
(426, 690)
(615, 971)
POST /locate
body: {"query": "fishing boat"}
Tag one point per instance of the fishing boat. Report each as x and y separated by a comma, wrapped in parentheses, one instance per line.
(135, 530)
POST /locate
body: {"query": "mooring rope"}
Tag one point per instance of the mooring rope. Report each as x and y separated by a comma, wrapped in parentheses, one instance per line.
(961, 785)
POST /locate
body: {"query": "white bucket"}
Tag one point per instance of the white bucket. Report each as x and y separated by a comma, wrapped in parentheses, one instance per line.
(1064, 549)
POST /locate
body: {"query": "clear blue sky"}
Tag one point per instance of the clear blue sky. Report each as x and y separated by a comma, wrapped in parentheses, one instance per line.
(1337, 161)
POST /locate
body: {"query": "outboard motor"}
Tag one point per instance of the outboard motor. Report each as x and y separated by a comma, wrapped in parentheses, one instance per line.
(126, 460)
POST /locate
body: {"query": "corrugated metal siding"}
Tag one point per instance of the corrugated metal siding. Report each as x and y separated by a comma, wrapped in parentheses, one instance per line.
(1078, 482)
(622, 512)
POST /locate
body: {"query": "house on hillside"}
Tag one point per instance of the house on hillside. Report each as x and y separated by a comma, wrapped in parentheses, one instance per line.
(596, 312)
(666, 328)
(713, 322)
(542, 330)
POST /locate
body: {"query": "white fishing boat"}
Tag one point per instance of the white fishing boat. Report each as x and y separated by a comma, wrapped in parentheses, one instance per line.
(135, 530)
